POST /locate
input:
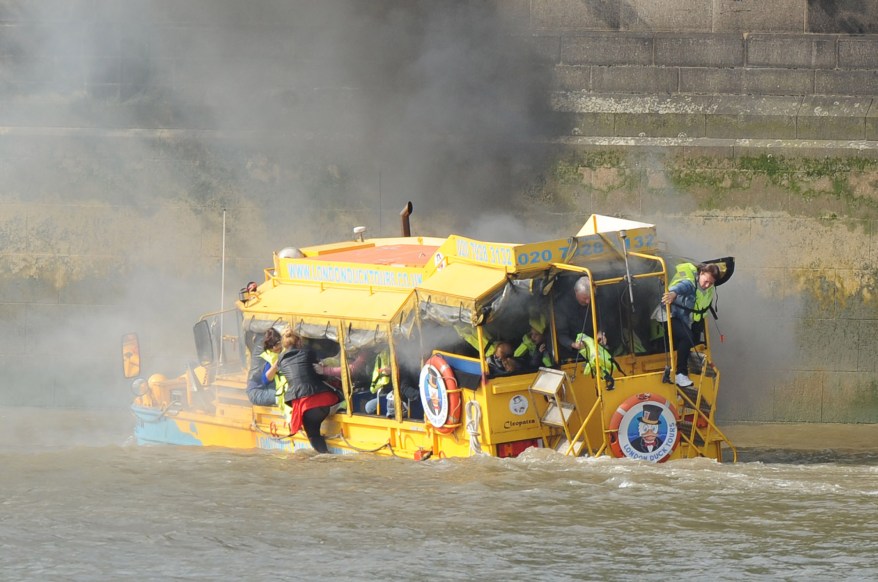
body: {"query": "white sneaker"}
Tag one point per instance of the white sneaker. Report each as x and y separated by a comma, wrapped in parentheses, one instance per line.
(683, 381)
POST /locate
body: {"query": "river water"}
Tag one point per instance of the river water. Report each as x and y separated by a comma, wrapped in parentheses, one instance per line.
(81, 502)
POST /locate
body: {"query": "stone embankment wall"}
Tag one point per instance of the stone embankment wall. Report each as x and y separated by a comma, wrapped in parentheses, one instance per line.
(740, 127)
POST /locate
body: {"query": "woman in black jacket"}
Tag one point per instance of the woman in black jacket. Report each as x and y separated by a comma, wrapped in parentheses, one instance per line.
(309, 397)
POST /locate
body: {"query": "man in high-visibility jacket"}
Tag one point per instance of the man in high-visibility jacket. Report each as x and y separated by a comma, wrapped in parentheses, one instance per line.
(690, 295)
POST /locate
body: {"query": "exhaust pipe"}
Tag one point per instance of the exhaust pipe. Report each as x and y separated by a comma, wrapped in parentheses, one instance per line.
(406, 212)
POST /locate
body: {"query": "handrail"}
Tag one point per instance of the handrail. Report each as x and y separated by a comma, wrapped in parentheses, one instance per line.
(581, 432)
(696, 413)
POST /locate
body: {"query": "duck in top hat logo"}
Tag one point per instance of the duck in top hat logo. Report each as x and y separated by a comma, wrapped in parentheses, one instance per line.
(648, 439)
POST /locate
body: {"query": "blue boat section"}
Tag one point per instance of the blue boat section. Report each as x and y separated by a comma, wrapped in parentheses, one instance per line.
(154, 427)
(463, 365)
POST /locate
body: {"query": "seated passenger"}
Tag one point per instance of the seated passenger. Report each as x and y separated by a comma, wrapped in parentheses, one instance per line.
(502, 360)
(265, 384)
(533, 351)
(470, 335)
(380, 379)
(411, 396)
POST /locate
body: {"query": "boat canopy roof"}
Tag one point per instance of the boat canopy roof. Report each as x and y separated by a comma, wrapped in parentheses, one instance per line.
(369, 282)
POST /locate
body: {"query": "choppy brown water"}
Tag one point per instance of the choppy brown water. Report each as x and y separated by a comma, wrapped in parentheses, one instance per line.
(79, 503)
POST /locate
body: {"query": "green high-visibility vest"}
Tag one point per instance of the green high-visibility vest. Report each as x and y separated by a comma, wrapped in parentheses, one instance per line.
(379, 379)
(591, 350)
(529, 347)
(471, 336)
(703, 299)
(280, 382)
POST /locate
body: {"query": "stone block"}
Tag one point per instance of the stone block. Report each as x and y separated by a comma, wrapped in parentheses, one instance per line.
(778, 81)
(828, 344)
(634, 15)
(13, 332)
(28, 278)
(833, 118)
(838, 82)
(659, 125)
(791, 51)
(586, 124)
(842, 16)
(756, 15)
(13, 222)
(871, 129)
(17, 379)
(666, 15)
(569, 78)
(546, 46)
(858, 52)
(706, 80)
(867, 336)
(796, 397)
(607, 49)
(650, 80)
(753, 117)
(850, 398)
(699, 50)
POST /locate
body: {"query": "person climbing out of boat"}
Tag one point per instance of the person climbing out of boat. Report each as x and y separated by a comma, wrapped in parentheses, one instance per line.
(573, 317)
(690, 295)
(307, 395)
(265, 385)
(533, 352)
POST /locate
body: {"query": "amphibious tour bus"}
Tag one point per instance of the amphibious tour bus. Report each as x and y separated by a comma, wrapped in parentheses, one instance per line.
(475, 343)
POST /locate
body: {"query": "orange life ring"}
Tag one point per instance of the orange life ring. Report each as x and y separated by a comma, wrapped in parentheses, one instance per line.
(649, 410)
(440, 395)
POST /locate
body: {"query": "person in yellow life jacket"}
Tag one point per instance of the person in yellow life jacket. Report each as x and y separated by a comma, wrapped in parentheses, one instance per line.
(265, 385)
(533, 352)
(470, 335)
(690, 295)
(590, 353)
(380, 379)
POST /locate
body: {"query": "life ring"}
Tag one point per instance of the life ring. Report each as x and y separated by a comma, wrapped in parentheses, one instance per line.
(644, 427)
(440, 395)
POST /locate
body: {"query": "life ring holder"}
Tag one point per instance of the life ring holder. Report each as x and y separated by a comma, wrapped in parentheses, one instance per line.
(452, 389)
(625, 409)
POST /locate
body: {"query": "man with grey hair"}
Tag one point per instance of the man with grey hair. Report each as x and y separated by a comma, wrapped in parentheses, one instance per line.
(573, 317)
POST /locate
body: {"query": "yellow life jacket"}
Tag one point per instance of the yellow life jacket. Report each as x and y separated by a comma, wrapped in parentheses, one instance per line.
(528, 347)
(703, 299)
(471, 336)
(380, 379)
(280, 382)
(590, 351)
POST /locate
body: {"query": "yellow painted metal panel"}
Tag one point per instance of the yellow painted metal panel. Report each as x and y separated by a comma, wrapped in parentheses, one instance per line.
(461, 283)
(313, 302)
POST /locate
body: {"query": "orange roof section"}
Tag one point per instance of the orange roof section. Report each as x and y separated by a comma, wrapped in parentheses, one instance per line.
(406, 255)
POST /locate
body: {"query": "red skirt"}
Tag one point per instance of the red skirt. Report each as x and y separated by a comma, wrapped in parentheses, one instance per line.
(300, 405)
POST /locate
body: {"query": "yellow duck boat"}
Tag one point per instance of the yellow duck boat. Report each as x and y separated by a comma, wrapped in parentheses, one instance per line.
(448, 312)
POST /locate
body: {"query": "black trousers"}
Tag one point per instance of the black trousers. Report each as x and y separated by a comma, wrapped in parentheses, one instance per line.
(683, 342)
(311, 421)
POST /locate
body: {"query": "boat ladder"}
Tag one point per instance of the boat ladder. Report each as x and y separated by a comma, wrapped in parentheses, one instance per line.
(556, 388)
(696, 424)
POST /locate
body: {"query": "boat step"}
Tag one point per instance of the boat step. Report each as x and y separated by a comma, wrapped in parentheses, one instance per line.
(685, 428)
(696, 364)
(556, 415)
(564, 444)
(692, 393)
